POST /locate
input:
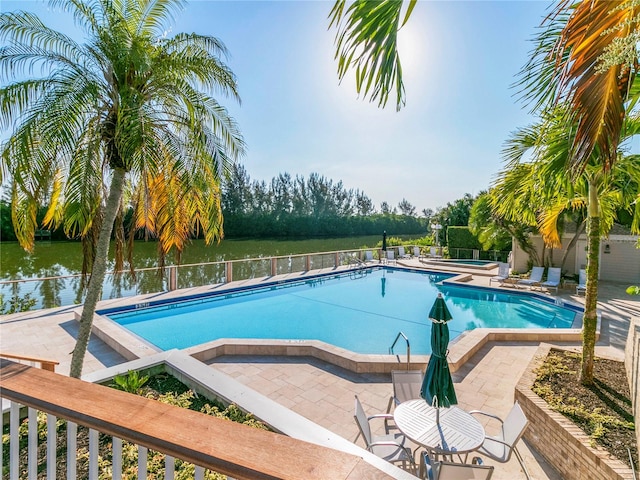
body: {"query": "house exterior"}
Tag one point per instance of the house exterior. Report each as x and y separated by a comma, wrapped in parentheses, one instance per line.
(619, 257)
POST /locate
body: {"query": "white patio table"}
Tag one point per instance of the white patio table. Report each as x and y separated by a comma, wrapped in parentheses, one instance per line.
(457, 431)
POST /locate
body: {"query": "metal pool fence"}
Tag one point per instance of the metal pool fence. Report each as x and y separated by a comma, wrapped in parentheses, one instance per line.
(50, 292)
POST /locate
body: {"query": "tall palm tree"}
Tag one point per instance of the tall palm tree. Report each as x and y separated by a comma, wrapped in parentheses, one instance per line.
(596, 193)
(130, 110)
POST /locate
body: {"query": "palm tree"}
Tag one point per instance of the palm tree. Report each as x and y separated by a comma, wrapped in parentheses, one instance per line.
(496, 231)
(131, 110)
(547, 186)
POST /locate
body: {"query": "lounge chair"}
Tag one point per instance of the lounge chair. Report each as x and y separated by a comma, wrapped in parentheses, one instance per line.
(534, 279)
(406, 386)
(416, 252)
(582, 282)
(390, 447)
(391, 256)
(503, 274)
(553, 279)
(500, 447)
(453, 471)
(434, 252)
(401, 253)
(368, 256)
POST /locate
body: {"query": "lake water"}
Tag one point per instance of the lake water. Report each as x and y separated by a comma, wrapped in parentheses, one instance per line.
(53, 259)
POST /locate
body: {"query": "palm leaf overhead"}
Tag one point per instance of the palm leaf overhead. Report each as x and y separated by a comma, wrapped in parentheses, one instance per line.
(566, 68)
(367, 40)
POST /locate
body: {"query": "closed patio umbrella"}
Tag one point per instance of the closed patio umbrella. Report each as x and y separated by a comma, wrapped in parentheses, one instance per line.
(437, 386)
(384, 240)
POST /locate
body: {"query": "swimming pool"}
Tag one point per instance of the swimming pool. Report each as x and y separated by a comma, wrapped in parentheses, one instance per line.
(463, 261)
(362, 312)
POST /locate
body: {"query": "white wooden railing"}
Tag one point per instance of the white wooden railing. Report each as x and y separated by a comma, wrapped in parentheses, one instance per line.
(210, 443)
(42, 363)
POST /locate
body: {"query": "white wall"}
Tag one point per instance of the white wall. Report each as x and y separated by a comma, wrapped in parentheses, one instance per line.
(621, 264)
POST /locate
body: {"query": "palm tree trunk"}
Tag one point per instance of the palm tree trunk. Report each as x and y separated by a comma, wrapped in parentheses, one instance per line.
(590, 319)
(524, 243)
(572, 243)
(98, 272)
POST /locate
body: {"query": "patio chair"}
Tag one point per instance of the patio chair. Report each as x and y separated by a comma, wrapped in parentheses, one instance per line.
(391, 256)
(453, 471)
(553, 278)
(406, 386)
(401, 253)
(582, 282)
(368, 256)
(534, 279)
(500, 447)
(434, 252)
(390, 447)
(416, 253)
(503, 274)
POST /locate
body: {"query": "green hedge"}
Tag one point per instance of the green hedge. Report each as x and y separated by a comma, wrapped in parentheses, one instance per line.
(461, 237)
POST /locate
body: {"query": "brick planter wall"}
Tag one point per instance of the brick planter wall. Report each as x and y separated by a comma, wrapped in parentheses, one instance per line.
(557, 439)
(632, 365)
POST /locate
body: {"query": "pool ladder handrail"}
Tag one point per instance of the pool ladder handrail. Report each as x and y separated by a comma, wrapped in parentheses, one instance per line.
(401, 334)
(360, 270)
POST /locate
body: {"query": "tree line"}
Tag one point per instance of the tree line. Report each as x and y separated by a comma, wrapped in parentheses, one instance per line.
(290, 206)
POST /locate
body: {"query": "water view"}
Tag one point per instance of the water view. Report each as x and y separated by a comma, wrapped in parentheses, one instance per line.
(60, 259)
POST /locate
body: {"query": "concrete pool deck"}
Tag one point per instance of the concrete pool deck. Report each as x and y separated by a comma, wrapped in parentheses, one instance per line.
(323, 392)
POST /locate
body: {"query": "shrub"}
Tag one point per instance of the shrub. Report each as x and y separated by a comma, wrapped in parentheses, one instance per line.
(461, 237)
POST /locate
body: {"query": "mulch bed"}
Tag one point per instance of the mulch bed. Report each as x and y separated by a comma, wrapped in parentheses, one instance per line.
(603, 410)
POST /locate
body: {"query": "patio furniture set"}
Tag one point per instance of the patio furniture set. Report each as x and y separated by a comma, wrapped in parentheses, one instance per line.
(445, 437)
(553, 281)
(389, 256)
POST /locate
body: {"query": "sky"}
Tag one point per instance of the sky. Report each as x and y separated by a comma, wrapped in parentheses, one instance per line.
(460, 60)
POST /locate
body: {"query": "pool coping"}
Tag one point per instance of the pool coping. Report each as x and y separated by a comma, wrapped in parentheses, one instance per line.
(490, 265)
(461, 349)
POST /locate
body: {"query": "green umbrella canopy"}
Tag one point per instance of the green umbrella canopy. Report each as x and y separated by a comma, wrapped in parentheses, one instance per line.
(437, 386)
(439, 312)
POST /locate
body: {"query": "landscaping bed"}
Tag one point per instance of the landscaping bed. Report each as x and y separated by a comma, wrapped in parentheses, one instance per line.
(603, 411)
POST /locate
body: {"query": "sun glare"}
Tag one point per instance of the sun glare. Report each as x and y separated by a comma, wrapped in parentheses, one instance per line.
(411, 48)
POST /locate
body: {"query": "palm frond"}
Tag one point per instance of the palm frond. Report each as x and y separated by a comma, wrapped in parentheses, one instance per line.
(367, 41)
(565, 69)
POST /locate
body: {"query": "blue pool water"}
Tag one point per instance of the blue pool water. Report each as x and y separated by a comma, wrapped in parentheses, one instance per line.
(361, 313)
(468, 262)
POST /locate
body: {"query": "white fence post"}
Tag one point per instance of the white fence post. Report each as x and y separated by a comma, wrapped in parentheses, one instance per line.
(14, 446)
(51, 446)
(72, 433)
(32, 451)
